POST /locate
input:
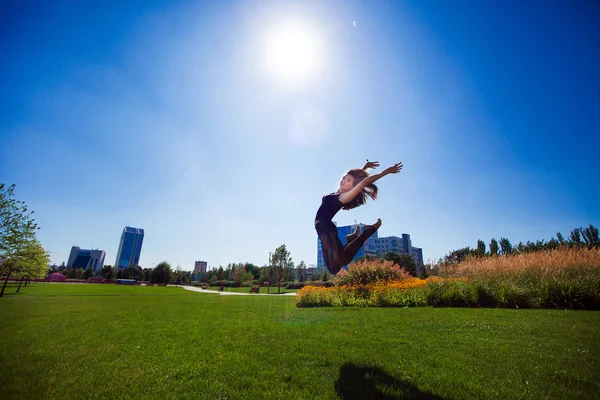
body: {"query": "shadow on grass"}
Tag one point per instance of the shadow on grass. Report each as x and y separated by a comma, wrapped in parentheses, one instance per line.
(366, 382)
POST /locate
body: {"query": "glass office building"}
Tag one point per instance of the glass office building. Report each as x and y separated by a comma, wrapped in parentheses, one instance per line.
(130, 248)
(83, 258)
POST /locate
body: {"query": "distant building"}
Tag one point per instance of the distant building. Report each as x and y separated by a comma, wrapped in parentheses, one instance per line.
(417, 254)
(83, 258)
(130, 248)
(200, 266)
(376, 246)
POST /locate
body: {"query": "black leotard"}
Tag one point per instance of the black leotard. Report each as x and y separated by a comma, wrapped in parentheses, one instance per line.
(330, 205)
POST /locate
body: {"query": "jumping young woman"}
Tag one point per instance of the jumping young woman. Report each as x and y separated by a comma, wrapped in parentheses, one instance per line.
(355, 186)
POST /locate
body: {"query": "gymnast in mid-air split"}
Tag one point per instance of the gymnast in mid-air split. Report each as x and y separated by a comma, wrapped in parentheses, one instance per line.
(355, 186)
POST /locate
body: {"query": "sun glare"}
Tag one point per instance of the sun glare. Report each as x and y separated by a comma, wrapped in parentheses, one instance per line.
(293, 53)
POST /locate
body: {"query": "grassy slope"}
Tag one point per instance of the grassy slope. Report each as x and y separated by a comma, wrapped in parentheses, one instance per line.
(84, 341)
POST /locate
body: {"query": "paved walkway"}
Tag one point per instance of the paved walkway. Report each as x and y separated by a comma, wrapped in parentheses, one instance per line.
(200, 290)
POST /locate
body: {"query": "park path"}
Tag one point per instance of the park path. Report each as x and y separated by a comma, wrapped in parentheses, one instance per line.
(200, 290)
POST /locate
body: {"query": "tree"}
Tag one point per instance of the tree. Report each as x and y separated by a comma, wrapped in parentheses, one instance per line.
(590, 236)
(241, 275)
(505, 246)
(494, 247)
(560, 238)
(17, 234)
(393, 257)
(88, 273)
(280, 260)
(32, 262)
(458, 256)
(108, 272)
(147, 274)
(480, 248)
(576, 236)
(161, 273)
(301, 271)
(408, 263)
(79, 273)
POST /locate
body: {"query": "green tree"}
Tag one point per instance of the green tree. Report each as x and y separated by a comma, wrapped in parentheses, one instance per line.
(393, 257)
(494, 247)
(79, 273)
(480, 248)
(147, 274)
(403, 261)
(590, 236)
(505, 246)
(408, 263)
(576, 237)
(458, 256)
(301, 271)
(17, 234)
(33, 262)
(88, 273)
(560, 238)
(107, 272)
(281, 261)
(161, 273)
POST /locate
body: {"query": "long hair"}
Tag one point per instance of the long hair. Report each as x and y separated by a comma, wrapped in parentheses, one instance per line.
(369, 190)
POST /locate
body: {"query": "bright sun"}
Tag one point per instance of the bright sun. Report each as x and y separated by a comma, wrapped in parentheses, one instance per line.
(293, 53)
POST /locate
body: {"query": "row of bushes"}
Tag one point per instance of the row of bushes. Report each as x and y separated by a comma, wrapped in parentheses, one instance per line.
(455, 293)
(286, 285)
(565, 279)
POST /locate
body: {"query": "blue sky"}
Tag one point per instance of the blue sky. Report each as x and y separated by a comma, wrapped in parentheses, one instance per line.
(168, 116)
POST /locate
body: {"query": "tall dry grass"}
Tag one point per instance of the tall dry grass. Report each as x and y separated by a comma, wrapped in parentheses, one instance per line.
(560, 278)
(543, 265)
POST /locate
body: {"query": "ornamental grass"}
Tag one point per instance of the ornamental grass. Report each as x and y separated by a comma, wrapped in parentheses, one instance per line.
(564, 278)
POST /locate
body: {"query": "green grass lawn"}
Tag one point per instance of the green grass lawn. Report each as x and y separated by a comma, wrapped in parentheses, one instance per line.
(104, 341)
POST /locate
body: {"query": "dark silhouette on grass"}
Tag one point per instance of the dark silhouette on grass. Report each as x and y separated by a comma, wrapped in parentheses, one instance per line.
(366, 382)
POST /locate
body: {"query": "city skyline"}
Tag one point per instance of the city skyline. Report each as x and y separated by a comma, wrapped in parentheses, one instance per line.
(219, 126)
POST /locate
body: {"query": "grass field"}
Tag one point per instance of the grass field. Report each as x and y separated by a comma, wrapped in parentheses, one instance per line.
(105, 341)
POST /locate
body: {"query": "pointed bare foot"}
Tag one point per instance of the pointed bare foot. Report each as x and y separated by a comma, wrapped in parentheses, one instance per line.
(375, 226)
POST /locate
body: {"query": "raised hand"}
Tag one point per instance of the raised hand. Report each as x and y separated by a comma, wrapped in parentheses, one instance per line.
(371, 164)
(394, 169)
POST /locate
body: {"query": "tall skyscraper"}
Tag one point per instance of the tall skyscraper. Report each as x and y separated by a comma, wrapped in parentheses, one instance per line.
(130, 247)
(82, 258)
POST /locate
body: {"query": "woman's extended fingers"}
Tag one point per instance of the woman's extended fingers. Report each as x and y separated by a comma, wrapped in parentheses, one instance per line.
(394, 169)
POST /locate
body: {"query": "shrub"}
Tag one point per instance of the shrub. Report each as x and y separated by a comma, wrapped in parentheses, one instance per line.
(370, 272)
(295, 285)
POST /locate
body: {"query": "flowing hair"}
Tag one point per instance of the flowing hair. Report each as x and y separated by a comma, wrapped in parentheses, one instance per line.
(369, 190)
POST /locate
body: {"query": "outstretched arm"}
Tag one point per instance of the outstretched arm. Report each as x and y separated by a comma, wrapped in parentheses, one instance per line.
(347, 197)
